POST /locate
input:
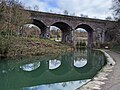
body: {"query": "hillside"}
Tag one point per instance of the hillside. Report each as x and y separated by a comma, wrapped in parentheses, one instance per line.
(15, 46)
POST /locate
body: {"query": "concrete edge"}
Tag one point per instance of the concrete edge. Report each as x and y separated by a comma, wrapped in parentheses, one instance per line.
(98, 80)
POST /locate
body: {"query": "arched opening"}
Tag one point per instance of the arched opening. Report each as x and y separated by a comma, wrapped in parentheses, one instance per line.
(31, 30)
(34, 29)
(81, 37)
(88, 35)
(55, 34)
(65, 31)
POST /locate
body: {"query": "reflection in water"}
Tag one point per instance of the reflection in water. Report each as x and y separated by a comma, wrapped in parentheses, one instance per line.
(72, 85)
(31, 66)
(80, 63)
(36, 74)
(53, 64)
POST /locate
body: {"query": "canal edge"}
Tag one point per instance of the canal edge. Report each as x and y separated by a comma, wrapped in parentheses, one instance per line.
(98, 80)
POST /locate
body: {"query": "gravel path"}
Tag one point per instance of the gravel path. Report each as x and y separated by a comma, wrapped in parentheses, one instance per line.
(113, 81)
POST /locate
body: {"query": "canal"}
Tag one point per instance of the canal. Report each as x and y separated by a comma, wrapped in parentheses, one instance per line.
(66, 71)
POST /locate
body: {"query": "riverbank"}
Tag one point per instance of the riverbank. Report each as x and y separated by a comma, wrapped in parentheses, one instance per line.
(108, 77)
(24, 46)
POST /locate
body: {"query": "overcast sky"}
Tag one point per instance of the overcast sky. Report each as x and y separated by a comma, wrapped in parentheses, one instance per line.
(92, 8)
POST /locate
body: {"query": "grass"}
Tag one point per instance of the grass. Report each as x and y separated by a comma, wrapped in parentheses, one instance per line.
(15, 46)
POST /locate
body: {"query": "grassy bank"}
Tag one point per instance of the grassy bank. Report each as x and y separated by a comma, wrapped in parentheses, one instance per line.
(116, 48)
(15, 46)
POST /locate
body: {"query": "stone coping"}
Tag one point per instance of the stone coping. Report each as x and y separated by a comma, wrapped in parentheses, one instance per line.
(98, 80)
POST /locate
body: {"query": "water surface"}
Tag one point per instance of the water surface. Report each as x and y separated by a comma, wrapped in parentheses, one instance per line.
(66, 71)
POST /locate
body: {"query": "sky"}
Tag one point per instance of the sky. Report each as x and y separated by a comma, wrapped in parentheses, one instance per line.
(93, 8)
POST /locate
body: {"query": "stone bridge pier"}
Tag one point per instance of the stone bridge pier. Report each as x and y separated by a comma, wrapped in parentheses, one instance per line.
(67, 37)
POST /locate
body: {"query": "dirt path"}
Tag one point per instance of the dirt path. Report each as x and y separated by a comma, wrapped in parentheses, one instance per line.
(113, 82)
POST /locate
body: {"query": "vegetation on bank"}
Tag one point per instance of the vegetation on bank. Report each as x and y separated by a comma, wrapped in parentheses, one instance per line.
(16, 46)
(116, 48)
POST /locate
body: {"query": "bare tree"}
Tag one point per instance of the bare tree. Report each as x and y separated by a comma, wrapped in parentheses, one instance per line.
(13, 16)
(73, 14)
(82, 15)
(36, 8)
(116, 8)
(28, 8)
(114, 34)
(65, 12)
(108, 18)
(51, 11)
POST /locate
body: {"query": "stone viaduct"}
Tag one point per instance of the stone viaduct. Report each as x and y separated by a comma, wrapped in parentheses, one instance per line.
(96, 28)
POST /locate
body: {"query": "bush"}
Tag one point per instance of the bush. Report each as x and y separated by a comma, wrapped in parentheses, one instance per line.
(116, 48)
(5, 44)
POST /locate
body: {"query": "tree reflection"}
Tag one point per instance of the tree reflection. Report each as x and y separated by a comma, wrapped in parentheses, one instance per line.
(64, 84)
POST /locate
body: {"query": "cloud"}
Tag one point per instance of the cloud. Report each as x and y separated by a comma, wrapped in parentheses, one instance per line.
(92, 8)
(32, 3)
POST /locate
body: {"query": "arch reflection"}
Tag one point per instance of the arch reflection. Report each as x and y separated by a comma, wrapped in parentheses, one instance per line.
(30, 66)
(53, 64)
(80, 63)
(38, 72)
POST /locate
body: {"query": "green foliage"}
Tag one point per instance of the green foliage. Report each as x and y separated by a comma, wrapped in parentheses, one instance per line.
(116, 48)
(113, 35)
(81, 44)
(84, 44)
(77, 44)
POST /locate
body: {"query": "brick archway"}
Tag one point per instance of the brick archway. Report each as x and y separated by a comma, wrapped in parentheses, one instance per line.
(90, 33)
